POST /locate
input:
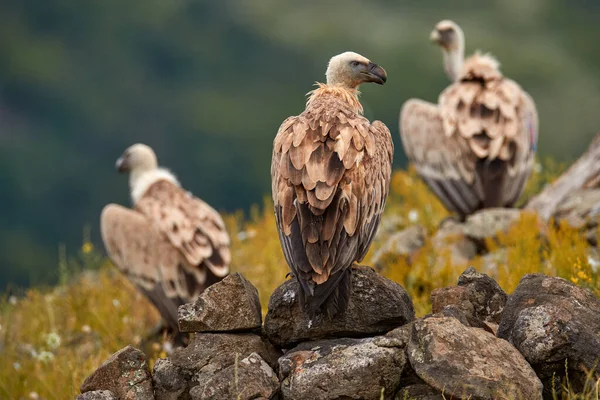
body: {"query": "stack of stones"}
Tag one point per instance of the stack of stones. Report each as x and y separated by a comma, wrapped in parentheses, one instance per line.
(478, 343)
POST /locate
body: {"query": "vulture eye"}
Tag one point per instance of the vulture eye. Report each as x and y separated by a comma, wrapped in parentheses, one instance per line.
(354, 63)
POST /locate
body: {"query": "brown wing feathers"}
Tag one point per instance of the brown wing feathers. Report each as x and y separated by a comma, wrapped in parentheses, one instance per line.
(323, 161)
(474, 149)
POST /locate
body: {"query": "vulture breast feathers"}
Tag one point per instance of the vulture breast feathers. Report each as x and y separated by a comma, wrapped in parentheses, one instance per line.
(475, 148)
(330, 176)
(171, 245)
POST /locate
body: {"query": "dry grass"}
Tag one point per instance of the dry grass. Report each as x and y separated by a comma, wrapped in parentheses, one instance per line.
(51, 339)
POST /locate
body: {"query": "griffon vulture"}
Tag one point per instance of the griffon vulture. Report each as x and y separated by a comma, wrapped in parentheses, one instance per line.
(476, 147)
(171, 245)
(330, 175)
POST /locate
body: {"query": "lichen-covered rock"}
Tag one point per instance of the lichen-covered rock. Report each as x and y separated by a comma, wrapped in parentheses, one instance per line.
(342, 369)
(250, 378)
(376, 305)
(477, 298)
(97, 395)
(401, 244)
(551, 321)
(170, 381)
(227, 306)
(125, 374)
(486, 223)
(466, 362)
(207, 355)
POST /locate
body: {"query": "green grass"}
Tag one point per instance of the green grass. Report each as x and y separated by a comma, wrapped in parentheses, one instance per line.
(52, 338)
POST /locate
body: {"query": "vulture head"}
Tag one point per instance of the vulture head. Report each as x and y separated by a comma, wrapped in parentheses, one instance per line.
(137, 159)
(448, 35)
(350, 69)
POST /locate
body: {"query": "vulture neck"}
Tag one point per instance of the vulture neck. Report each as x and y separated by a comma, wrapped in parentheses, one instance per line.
(453, 61)
(140, 181)
(347, 94)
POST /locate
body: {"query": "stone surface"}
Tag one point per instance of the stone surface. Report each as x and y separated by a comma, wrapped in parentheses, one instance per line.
(189, 369)
(401, 244)
(170, 381)
(581, 210)
(226, 306)
(487, 222)
(466, 362)
(550, 321)
(125, 374)
(343, 369)
(450, 241)
(97, 395)
(419, 392)
(477, 295)
(251, 378)
(376, 305)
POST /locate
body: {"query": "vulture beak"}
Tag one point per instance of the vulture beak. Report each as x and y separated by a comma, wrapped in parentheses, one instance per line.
(121, 165)
(435, 36)
(375, 73)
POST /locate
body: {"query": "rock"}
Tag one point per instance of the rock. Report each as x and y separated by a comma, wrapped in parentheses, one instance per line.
(227, 306)
(419, 392)
(342, 369)
(413, 387)
(477, 295)
(97, 395)
(581, 210)
(450, 240)
(401, 244)
(466, 362)
(486, 223)
(251, 378)
(551, 321)
(206, 356)
(376, 305)
(170, 381)
(125, 374)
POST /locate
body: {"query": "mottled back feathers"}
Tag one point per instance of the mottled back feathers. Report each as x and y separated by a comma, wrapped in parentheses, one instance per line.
(330, 175)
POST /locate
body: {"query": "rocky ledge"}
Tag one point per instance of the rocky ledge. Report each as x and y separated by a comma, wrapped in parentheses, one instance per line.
(478, 343)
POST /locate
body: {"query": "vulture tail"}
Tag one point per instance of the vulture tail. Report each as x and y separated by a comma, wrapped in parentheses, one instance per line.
(331, 297)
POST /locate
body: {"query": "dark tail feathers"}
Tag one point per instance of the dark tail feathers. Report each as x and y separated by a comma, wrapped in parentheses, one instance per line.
(331, 297)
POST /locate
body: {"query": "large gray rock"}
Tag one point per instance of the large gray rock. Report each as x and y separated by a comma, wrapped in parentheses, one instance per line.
(125, 374)
(207, 355)
(401, 244)
(477, 295)
(250, 378)
(227, 306)
(170, 381)
(451, 241)
(376, 305)
(466, 362)
(97, 395)
(551, 321)
(342, 369)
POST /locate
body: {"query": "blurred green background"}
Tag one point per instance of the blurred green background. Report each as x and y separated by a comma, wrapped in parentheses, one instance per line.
(207, 83)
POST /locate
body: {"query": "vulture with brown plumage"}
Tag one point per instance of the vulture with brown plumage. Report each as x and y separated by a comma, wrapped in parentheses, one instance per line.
(475, 148)
(171, 245)
(330, 175)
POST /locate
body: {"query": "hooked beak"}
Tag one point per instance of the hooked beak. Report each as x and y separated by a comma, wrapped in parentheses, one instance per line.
(121, 165)
(375, 73)
(435, 36)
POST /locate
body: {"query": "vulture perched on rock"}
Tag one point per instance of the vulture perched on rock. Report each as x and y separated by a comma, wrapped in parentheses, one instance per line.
(475, 148)
(171, 245)
(330, 175)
